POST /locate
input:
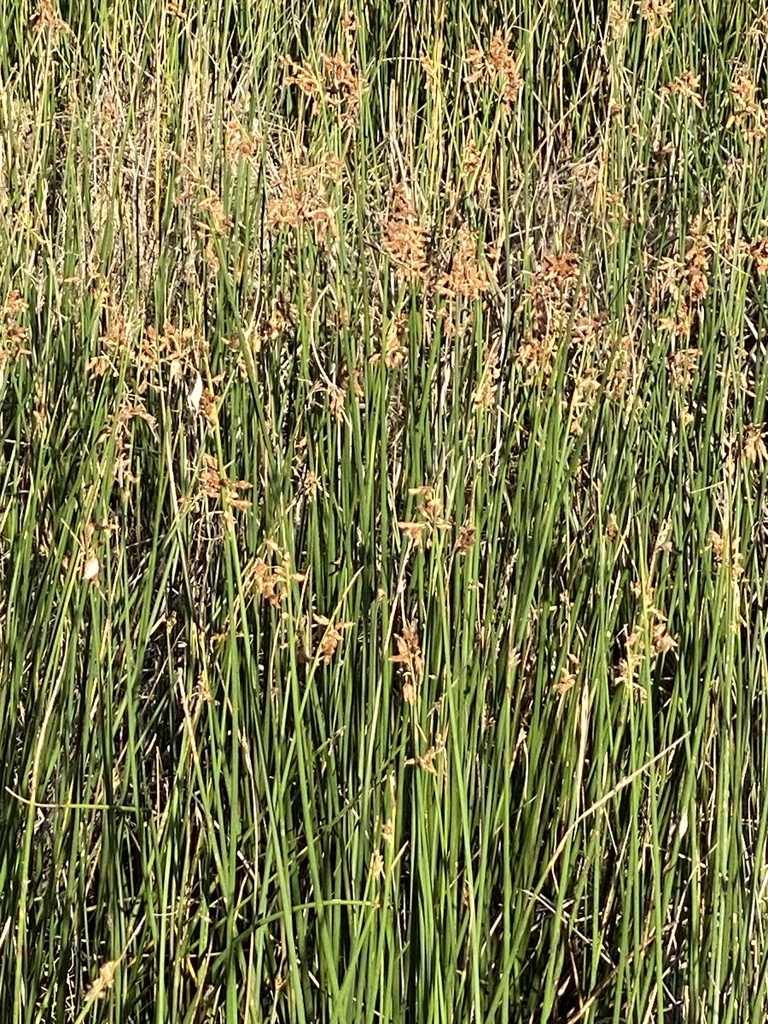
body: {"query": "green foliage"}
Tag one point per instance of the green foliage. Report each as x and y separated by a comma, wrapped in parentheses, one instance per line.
(383, 512)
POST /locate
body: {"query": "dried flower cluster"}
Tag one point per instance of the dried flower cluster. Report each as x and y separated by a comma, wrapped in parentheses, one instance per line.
(697, 259)
(426, 761)
(477, 168)
(642, 644)
(546, 307)
(47, 20)
(568, 673)
(758, 250)
(684, 282)
(754, 449)
(586, 389)
(723, 553)
(300, 195)
(685, 85)
(395, 352)
(430, 516)
(349, 388)
(404, 239)
(178, 349)
(618, 21)
(104, 982)
(497, 67)
(331, 638)
(338, 84)
(176, 10)
(656, 15)
(213, 221)
(131, 408)
(173, 353)
(432, 72)
(217, 486)
(211, 204)
(466, 539)
(749, 113)
(114, 345)
(465, 276)
(683, 365)
(12, 333)
(411, 660)
(270, 581)
(485, 395)
(759, 28)
(240, 143)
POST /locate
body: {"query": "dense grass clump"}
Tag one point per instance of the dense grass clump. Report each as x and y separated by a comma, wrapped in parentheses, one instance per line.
(383, 512)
